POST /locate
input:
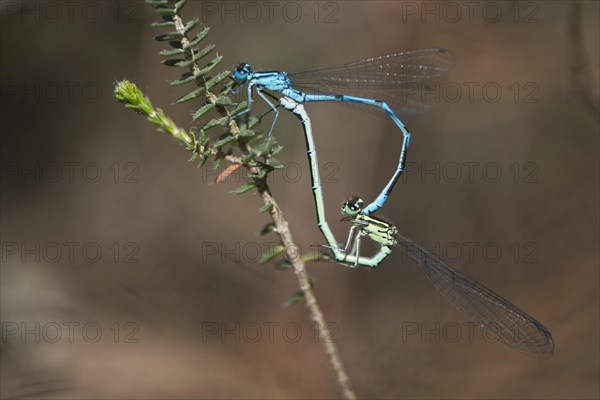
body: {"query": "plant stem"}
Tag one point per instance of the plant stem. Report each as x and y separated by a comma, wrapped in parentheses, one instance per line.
(311, 301)
(283, 231)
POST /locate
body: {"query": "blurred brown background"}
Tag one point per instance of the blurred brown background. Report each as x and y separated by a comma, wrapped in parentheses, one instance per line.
(175, 304)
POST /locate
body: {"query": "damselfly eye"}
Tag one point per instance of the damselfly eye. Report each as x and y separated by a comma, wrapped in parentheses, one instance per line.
(353, 206)
(242, 71)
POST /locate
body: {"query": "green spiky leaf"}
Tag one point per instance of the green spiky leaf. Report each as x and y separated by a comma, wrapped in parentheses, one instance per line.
(163, 24)
(313, 257)
(168, 36)
(271, 254)
(268, 228)
(220, 77)
(202, 111)
(190, 25)
(294, 299)
(226, 140)
(217, 163)
(199, 37)
(247, 134)
(274, 163)
(283, 265)
(177, 63)
(180, 4)
(245, 188)
(204, 52)
(223, 101)
(266, 208)
(171, 52)
(216, 122)
(192, 95)
(211, 65)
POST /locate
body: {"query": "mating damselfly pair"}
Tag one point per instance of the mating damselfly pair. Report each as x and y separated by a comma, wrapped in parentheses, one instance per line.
(380, 83)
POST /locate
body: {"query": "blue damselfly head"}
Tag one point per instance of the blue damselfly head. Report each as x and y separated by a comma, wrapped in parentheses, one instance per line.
(242, 72)
(353, 206)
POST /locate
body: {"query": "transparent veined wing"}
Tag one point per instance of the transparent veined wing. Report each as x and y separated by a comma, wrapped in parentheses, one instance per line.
(403, 80)
(507, 322)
